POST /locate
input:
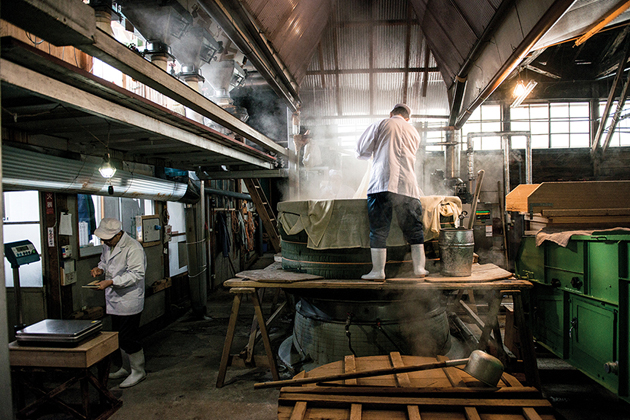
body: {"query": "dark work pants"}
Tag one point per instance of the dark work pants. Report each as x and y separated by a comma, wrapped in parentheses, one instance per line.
(127, 327)
(408, 212)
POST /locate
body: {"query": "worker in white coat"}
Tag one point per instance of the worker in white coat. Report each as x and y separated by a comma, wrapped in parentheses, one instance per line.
(393, 144)
(124, 263)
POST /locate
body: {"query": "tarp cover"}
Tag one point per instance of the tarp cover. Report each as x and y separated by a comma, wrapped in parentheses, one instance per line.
(336, 224)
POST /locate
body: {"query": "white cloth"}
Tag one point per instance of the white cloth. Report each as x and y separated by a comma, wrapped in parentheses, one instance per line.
(393, 144)
(340, 224)
(125, 265)
(312, 155)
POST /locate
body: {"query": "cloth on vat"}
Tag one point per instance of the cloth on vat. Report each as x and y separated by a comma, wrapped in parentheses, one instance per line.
(562, 236)
(335, 224)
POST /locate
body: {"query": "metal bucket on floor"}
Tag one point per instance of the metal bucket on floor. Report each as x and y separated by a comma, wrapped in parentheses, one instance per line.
(456, 252)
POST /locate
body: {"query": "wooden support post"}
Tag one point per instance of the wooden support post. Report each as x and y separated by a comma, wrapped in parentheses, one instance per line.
(265, 337)
(527, 341)
(299, 411)
(491, 319)
(225, 356)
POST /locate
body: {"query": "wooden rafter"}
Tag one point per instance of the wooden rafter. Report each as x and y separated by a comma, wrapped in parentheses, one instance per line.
(618, 9)
(407, 53)
(336, 60)
(372, 34)
(376, 70)
(320, 57)
(425, 76)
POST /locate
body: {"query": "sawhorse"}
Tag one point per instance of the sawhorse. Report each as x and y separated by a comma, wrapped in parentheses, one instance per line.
(239, 292)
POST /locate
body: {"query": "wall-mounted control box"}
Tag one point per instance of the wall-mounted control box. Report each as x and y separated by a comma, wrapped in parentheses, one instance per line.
(148, 228)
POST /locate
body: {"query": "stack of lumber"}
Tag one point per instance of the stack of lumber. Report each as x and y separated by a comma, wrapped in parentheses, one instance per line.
(572, 205)
(430, 394)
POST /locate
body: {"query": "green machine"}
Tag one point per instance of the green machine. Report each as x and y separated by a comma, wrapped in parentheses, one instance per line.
(580, 303)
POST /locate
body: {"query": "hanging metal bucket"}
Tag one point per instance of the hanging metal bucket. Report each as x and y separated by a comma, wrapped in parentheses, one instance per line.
(456, 252)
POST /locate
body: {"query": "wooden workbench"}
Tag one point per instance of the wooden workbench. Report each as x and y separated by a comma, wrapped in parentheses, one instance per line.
(495, 285)
(75, 361)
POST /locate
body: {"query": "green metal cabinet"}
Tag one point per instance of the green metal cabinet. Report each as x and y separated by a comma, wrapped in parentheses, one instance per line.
(592, 345)
(580, 303)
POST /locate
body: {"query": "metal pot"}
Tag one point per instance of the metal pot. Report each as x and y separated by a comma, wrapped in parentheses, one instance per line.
(484, 367)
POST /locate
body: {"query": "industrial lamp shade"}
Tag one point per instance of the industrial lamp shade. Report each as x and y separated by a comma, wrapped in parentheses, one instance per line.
(107, 170)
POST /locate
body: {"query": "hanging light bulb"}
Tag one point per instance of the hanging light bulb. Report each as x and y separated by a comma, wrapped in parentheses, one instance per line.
(519, 89)
(526, 90)
(107, 170)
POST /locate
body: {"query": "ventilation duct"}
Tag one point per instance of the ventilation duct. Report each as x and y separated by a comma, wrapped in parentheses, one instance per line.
(27, 170)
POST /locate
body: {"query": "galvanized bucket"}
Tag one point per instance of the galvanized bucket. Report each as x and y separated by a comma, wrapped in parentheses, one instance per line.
(456, 252)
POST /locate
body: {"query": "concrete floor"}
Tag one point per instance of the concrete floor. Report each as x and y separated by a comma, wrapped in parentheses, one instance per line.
(182, 363)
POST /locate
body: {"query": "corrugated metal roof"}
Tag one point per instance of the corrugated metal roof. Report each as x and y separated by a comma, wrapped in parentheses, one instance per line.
(369, 44)
(380, 58)
(293, 28)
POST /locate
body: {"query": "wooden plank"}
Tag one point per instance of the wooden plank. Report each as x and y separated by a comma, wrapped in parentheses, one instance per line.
(557, 220)
(349, 366)
(229, 337)
(356, 412)
(494, 305)
(401, 378)
(471, 413)
(516, 200)
(463, 390)
(299, 411)
(276, 276)
(452, 374)
(579, 195)
(504, 284)
(265, 337)
(479, 273)
(472, 314)
(586, 212)
(413, 412)
(84, 355)
(119, 56)
(530, 414)
(95, 105)
(385, 401)
(511, 381)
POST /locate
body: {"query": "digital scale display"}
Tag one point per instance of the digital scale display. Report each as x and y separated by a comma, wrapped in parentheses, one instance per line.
(20, 253)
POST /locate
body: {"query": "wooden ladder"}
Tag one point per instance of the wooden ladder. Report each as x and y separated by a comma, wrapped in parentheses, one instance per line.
(264, 211)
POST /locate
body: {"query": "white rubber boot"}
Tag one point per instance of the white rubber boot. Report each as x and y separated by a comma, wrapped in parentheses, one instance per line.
(419, 260)
(123, 372)
(136, 360)
(379, 257)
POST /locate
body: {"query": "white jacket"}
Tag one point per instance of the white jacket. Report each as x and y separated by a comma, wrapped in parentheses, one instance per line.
(393, 143)
(125, 265)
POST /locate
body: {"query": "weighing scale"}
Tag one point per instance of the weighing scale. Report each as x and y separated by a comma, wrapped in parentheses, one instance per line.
(58, 332)
(19, 253)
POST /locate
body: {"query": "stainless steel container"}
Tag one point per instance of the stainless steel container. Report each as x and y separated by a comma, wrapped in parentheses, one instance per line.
(456, 252)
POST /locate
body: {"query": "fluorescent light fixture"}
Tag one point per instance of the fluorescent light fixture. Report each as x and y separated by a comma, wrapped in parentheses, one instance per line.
(521, 91)
(107, 170)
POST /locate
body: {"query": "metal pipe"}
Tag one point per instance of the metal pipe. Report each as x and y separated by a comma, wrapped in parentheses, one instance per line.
(25, 169)
(6, 399)
(225, 193)
(505, 144)
(470, 159)
(554, 13)
(451, 170)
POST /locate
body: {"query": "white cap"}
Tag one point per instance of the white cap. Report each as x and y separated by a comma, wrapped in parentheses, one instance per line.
(108, 229)
(402, 106)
